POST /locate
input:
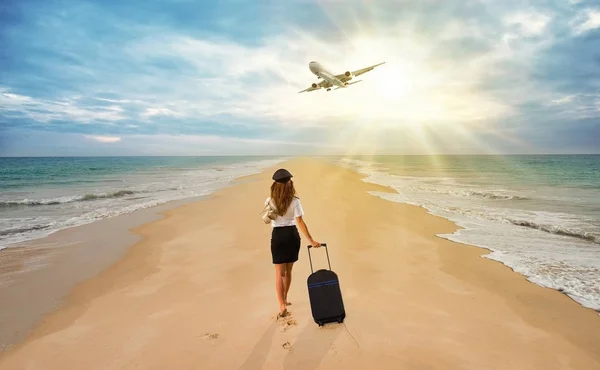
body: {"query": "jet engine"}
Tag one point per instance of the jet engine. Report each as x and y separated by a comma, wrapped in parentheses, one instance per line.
(348, 74)
(314, 85)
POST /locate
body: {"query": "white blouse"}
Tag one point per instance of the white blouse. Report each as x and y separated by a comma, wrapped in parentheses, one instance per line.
(289, 218)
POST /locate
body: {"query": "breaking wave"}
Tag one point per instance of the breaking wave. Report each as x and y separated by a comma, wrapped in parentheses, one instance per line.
(20, 230)
(552, 229)
(496, 196)
(82, 198)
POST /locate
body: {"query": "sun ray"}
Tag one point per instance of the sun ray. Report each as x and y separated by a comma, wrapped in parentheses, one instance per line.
(421, 134)
(415, 92)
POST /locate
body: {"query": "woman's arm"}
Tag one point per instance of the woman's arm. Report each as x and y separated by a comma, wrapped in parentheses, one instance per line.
(304, 229)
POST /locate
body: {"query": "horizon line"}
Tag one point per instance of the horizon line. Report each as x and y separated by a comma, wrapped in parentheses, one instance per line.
(295, 155)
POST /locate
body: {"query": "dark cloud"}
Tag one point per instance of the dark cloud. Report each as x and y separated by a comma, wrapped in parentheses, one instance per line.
(570, 65)
(565, 137)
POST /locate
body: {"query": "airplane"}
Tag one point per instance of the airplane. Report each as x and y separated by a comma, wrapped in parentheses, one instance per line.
(330, 80)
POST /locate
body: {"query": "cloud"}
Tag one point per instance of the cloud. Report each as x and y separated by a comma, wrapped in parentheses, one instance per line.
(259, 83)
(196, 70)
(563, 100)
(40, 143)
(160, 111)
(43, 110)
(530, 23)
(587, 21)
(103, 139)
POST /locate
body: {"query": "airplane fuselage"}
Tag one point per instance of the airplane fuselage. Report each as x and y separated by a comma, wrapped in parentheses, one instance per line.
(329, 80)
(318, 70)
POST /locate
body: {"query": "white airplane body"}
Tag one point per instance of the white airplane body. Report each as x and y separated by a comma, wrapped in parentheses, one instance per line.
(330, 80)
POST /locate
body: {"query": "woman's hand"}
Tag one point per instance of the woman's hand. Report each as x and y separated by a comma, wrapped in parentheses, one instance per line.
(315, 244)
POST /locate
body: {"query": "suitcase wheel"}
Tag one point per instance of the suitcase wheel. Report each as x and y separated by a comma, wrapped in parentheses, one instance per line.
(340, 320)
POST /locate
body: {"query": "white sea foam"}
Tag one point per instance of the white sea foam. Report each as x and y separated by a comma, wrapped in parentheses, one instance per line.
(552, 248)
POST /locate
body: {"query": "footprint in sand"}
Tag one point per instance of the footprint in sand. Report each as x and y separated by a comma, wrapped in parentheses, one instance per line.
(286, 345)
(288, 324)
(209, 336)
(279, 316)
(286, 320)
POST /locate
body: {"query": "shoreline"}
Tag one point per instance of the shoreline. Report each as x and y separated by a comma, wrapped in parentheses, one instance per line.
(464, 235)
(140, 262)
(451, 237)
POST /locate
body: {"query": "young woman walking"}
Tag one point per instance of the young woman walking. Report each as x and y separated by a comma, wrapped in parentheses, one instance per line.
(285, 239)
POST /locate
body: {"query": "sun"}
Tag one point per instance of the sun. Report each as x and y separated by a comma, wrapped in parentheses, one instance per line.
(402, 94)
(396, 85)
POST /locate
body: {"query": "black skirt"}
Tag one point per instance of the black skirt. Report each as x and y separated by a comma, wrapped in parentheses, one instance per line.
(285, 244)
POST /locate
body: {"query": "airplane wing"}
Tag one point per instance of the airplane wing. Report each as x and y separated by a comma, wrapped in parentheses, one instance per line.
(364, 70)
(321, 85)
(357, 73)
(309, 89)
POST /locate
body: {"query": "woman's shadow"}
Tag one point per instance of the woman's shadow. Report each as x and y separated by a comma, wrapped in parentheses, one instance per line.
(311, 346)
(306, 352)
(261, 350)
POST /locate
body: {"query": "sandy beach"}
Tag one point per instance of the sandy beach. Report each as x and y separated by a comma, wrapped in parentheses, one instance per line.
(197, 292)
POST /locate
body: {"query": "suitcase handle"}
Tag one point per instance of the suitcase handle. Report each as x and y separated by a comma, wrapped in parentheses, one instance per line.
(310, 259)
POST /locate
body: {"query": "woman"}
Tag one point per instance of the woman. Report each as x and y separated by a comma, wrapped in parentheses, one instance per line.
(285, 239)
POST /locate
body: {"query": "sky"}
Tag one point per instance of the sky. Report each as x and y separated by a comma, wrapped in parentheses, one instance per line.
(186, 77)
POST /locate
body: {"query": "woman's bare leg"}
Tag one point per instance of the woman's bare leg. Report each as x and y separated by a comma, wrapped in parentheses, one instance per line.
(280, 272)
(287, 281)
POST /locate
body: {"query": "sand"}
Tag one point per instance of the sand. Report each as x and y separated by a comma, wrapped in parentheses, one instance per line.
(197, 292)
(36, 275)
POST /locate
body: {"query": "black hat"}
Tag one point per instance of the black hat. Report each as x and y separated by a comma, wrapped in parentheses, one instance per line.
(282, 175)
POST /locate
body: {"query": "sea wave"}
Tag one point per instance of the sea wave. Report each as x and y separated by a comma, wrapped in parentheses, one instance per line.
(494, 196)
(482, 194)
(63, 200)
(440, 186)
(21, 230)
(19, 183)
(558, 230)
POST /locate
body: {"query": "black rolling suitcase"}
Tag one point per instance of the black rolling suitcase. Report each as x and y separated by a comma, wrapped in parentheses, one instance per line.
(325, 295)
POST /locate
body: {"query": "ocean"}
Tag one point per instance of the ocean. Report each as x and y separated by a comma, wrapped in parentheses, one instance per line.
(537, 214)
(39, 196)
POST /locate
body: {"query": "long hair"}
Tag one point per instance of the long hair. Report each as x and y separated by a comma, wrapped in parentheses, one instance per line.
(282, 195)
